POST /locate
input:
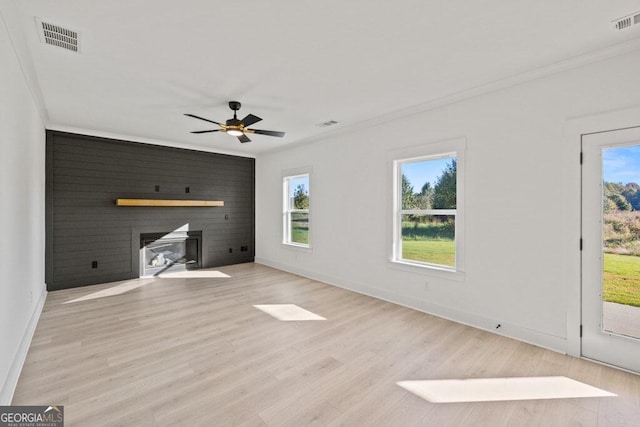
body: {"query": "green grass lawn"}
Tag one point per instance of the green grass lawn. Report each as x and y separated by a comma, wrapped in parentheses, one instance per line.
(300, 228)
(431, 242)
(300, 234)
(442, 252)
(622, 279)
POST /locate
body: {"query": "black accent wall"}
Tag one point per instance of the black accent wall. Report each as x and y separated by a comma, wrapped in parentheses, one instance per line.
(85, 228)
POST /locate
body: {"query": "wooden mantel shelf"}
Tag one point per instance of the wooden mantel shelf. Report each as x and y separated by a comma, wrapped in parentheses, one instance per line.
(157, 202)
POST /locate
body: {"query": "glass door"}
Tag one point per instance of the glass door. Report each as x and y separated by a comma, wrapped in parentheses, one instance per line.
(611, 247)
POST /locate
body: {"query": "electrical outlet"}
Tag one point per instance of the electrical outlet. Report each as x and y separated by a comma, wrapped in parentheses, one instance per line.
(187, 189)
(244, 248)
(94, 264)
(157, 188)
(230, 250)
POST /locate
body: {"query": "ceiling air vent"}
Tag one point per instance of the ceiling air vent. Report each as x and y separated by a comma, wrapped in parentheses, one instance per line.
(55, 35)
(627, 21)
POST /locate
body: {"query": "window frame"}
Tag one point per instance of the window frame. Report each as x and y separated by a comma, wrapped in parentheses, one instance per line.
(287, 209)
(432, 151)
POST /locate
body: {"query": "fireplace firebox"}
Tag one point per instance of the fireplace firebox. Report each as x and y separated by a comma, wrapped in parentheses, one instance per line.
(169, 252)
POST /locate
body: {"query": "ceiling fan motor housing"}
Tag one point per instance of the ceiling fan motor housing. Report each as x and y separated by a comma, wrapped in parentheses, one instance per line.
(237, 127)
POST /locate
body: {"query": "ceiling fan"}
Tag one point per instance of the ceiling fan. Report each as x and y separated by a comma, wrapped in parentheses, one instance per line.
(236, 127)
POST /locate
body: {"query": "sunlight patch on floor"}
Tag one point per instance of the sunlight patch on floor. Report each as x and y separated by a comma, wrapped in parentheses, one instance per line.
(115, 290)
(288, 312)
(501, 389)
(130, 285)
(193, 274)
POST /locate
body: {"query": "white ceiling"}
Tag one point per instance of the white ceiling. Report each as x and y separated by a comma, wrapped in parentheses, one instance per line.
(295, 63)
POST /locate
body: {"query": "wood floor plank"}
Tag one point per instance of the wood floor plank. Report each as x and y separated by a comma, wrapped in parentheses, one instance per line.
(243, 410)
(195, 351)
(408, 411)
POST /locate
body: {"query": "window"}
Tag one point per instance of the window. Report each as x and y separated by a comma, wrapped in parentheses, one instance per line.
(296, 210)
(426, 211)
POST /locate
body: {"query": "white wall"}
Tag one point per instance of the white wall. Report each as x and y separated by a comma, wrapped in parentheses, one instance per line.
(520, 237)
(22, 203)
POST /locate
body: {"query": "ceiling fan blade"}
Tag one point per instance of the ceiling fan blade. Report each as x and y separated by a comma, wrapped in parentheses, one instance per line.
(267, 132)
(201, 118)
(206, 131)
(244, 138)
(249, 120)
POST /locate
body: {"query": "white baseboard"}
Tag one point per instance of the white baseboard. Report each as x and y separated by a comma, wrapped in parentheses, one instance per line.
(517, 332)
(9, 386)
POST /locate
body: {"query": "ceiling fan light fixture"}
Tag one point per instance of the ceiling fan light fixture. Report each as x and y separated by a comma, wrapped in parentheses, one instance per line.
(236, 127)
(235, 132)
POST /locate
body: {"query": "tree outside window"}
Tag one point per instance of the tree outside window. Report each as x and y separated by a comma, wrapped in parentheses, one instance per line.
(296, 210)
(427, 210)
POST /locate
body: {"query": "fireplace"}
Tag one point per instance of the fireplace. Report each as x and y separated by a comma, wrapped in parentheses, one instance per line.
(170, 251)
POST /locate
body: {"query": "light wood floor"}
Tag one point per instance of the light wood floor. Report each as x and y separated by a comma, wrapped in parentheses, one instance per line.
(196, 352)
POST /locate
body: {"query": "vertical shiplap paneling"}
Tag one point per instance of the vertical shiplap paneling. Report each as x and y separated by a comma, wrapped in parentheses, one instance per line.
(86, 174)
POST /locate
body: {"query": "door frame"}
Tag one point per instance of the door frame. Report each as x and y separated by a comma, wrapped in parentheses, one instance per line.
(575, 128)
(609, 346)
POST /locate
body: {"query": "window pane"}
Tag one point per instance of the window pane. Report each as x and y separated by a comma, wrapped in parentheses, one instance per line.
(429, 184)
(299, 192)
(621, 240)
(296, 214)
(429, 238)
(300, 227)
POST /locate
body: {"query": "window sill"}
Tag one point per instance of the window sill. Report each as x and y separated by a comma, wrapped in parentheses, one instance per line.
(427, 270)
(297, 247)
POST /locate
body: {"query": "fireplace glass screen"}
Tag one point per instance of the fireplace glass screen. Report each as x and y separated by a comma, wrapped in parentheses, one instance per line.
(164, 252)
